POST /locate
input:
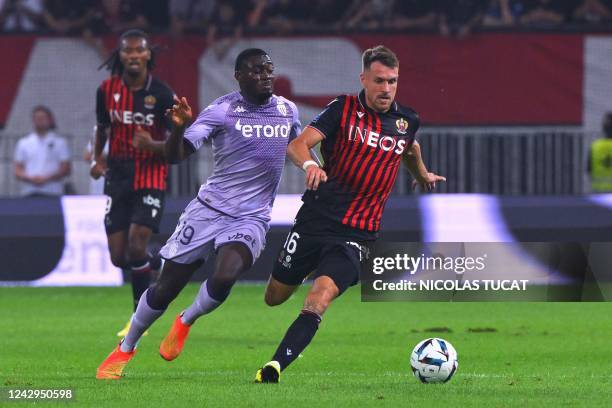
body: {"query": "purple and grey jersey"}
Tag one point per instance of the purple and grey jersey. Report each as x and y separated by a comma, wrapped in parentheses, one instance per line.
(249, 145)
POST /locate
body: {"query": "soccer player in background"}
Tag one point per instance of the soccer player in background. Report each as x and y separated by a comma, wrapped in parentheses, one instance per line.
(363, 139)
(249, 131)
(129, 102)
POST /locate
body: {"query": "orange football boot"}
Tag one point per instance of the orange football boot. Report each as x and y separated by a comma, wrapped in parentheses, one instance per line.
(112, 367)
(172, 345)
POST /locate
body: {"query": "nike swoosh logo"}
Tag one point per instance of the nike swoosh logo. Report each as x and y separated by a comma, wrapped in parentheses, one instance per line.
(360, 114)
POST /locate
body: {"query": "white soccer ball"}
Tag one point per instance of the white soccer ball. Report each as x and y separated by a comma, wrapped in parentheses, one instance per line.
(434, 360)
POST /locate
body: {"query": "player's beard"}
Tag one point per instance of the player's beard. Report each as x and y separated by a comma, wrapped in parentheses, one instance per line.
(133, 73)
(264, 96)
(266, 90)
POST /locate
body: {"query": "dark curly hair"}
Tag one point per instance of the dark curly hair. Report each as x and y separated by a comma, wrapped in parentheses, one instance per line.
(113, 63)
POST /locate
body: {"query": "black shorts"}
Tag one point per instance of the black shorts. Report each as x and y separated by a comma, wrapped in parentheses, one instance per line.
(125, 207)
(307, 252)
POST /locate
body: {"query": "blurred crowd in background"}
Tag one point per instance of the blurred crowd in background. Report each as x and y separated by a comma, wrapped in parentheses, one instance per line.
(233, 17)
(223, 22)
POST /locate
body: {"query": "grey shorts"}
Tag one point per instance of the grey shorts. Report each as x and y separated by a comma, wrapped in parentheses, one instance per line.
(201, 230)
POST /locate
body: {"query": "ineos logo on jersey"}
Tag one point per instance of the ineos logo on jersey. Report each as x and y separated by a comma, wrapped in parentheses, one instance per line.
(132, 118)
(374, 139)
(263, 130)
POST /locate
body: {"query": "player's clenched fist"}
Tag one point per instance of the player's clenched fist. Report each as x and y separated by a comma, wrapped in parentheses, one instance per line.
(314, 176)
(180, 114)
(97, 169)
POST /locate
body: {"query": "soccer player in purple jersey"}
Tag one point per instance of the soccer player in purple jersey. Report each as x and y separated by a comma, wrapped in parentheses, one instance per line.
(249, 131)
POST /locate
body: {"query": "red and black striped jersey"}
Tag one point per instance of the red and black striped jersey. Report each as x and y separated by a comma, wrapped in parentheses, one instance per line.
(362, 151)
(123, 111)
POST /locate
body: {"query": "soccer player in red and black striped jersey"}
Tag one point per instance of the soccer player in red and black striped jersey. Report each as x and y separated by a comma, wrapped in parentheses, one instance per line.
(363, 139)
(129, 103)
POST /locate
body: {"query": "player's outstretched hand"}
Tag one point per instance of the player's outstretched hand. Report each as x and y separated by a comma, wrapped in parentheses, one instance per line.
(142, 138)
(97, 169)
(180, 114)
(314, 176)
(427, 183)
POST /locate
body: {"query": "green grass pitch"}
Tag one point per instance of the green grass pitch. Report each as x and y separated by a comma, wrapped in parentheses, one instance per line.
(510, 354)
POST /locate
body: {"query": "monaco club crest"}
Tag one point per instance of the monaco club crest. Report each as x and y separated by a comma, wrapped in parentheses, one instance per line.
(402, 125)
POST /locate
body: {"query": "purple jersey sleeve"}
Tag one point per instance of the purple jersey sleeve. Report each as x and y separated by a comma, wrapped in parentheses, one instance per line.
(296, 127)
(208, 121)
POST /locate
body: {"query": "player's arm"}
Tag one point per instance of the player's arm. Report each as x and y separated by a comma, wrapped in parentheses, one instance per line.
(299, 151)
(187, 137)
(101, 132)
(98, 164)
(414, 162)
(144, 141)
(142, 138)
(100, 138)
(324, 126)
(180, 114)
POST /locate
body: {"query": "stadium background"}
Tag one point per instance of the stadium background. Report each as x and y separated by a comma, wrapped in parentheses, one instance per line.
(507, 117)
(541, 96)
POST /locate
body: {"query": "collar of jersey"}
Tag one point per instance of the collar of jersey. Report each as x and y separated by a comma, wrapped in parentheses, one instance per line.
(272, 101)
(361, 99)
(146, 87)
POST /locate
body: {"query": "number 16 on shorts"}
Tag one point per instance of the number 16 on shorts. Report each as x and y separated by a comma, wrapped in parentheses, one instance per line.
(291, 242)
(289, 249)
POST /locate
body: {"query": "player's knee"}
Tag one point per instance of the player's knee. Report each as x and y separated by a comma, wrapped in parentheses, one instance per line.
(233, 260)
(223, 280)
(227, 272)
(119, 260)
(159, 296)
(318, 300)
(277, 293)
(272, 299)
(229, 277)
(136, 251)
(159, 301)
